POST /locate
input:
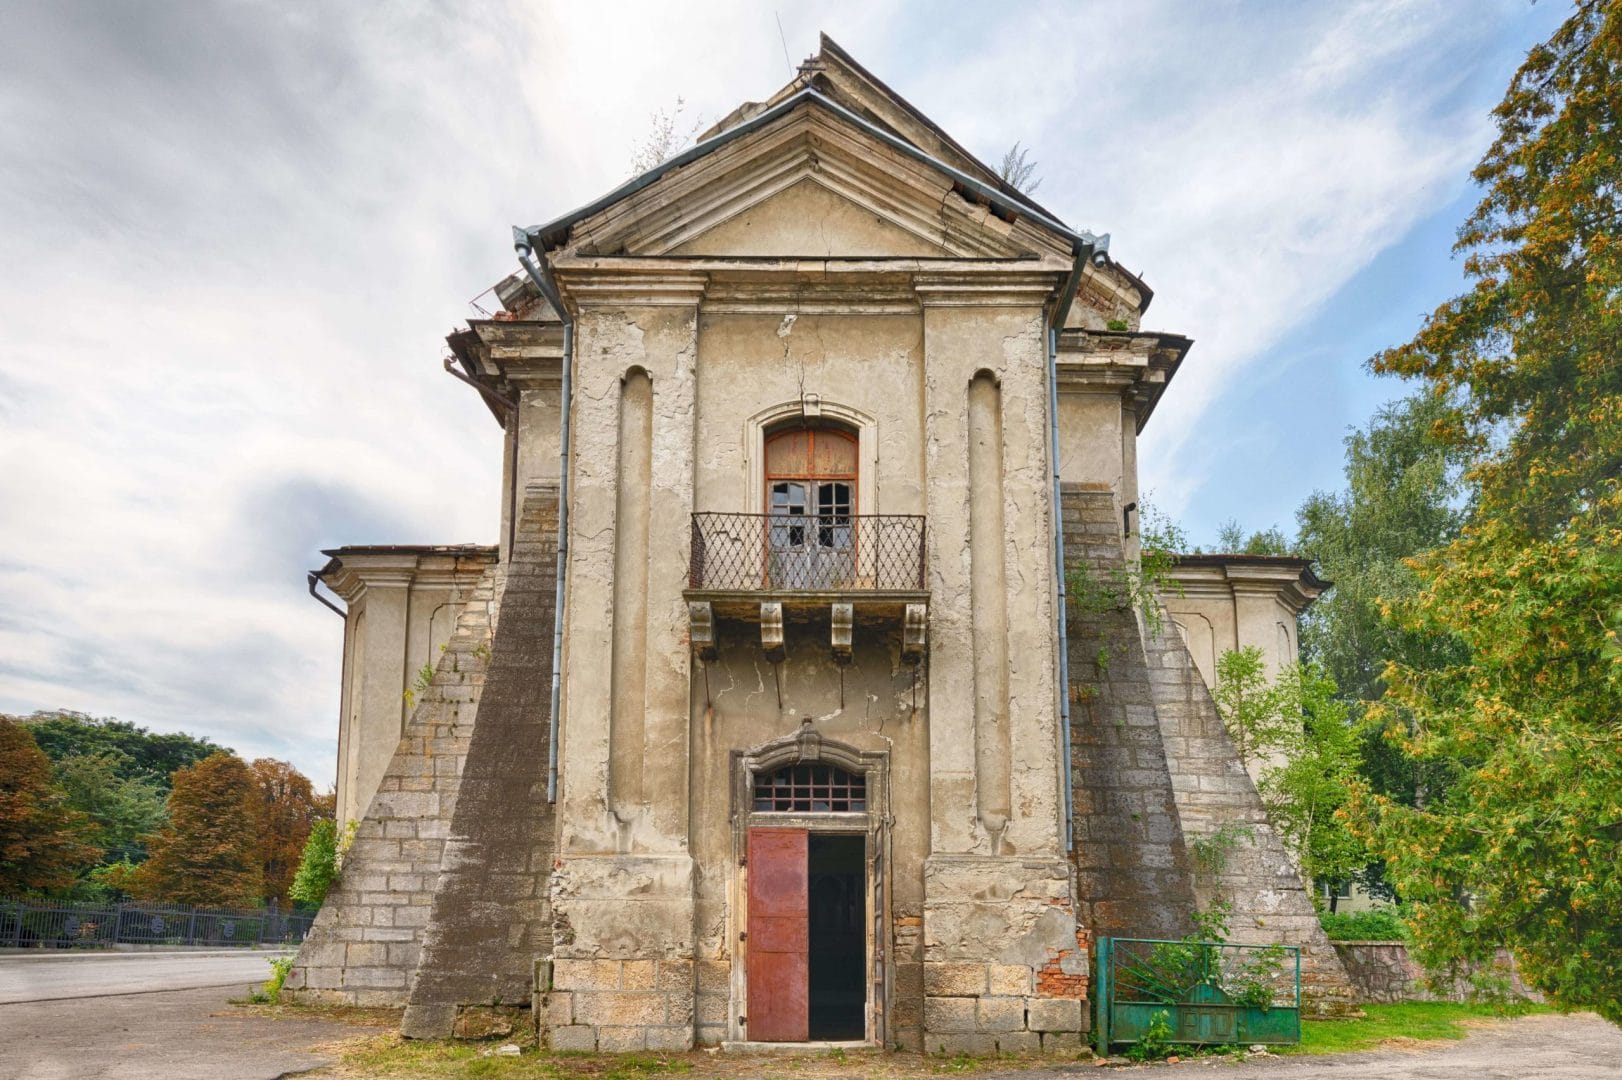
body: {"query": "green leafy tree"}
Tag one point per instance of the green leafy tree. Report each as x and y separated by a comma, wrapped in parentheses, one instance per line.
(209, 853)
(1404, 495)
(143, 755)
(1304, 792)
(1232, 540)
(1524, 848)
(43, 842)
(1254, 708)
(122, 810)
(318, 866)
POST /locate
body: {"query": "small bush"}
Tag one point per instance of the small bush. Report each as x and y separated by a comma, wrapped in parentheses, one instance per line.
(1381, 924)
(317, 867)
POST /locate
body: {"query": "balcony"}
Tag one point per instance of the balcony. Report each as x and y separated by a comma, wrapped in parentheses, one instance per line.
(874, 562)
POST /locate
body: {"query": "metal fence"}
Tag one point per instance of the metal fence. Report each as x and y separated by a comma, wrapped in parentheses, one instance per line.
(807, 552)
(1196, 992)
(49, 924)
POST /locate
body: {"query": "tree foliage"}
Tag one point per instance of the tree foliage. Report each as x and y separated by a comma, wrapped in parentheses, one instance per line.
(121, 809)
(287, 809)
(318, 865)
(1254, 709)
(209, 853)
(1525, 846)
(140, 754)
(43, 843)
(1232, 540)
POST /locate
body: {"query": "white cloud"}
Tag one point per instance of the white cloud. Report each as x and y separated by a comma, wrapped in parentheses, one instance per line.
(234, 237)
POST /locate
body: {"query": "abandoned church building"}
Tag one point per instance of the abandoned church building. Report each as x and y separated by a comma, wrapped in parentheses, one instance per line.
(768, 719)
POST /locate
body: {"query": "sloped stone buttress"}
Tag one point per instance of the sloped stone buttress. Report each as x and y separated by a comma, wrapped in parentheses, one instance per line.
(364, 945)
(491, 919)
(1155, 775)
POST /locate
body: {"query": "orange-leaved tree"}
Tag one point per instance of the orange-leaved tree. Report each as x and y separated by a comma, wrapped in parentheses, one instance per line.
(288, 808)
(209, 852)
(43, 844)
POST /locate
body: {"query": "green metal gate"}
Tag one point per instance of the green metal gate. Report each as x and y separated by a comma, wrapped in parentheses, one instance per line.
(1210, 992)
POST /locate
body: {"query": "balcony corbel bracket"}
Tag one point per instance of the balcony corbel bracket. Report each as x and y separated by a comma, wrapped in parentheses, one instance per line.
(843, 619)
(915, 633)
(701, 618)
(771, 640)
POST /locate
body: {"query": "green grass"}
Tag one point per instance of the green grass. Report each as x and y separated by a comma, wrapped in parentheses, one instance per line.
(1419, 1020)
(392, 1056)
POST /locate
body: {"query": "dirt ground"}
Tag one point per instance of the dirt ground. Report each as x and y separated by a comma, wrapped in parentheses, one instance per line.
(194, 1034)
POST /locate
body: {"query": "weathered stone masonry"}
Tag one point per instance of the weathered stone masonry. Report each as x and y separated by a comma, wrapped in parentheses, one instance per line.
(809, 681)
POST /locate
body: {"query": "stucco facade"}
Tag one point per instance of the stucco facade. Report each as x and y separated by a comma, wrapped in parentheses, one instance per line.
(805, 777)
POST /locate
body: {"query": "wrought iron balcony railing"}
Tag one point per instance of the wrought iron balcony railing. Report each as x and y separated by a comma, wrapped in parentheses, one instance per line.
(813, 553)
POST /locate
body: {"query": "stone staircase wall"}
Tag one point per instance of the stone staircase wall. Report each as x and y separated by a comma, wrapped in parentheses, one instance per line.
(364, 945)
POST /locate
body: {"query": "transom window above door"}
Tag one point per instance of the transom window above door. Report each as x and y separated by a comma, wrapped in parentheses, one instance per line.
(811, 788)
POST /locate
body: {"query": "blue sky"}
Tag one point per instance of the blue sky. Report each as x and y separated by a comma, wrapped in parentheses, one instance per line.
(235, 235)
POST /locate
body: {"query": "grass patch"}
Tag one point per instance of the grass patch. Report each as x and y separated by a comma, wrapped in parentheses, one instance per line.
(392, 1056)
(1418, 1021)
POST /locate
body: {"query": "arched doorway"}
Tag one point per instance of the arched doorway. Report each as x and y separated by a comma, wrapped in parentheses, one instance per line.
(811, 905)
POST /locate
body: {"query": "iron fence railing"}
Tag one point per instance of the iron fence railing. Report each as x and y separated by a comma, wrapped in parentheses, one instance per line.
(807, 552)
(51, 924)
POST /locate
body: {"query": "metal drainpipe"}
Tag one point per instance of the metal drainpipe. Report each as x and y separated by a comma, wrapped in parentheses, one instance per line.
(541, 275)
(1084, 252)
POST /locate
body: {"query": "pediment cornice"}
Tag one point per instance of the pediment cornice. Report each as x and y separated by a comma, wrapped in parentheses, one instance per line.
(809, 145)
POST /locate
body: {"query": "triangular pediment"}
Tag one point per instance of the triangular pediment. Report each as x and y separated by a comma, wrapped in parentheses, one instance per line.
(810, 182)
(811, 220)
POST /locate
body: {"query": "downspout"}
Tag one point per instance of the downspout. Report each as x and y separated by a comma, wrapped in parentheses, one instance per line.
(541, 274)
(1094, 250)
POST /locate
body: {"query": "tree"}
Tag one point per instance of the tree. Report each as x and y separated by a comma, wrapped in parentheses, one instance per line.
(143, 755)
(43, 843)
(287, 808)
(1524, 849)
(1304, 793)
(1019, 173)
(1231, 540)
(1253, 709)
(209, 853)
(1404, 495)
(121, 810)
(318, 865)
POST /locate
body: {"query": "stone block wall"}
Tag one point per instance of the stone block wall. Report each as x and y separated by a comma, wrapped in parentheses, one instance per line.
(1384, 971)
(1249, 866)
(1132, 870)
(1005, 966)
(624, 973)
(1157, 780)
(364, 946)
(491, 917)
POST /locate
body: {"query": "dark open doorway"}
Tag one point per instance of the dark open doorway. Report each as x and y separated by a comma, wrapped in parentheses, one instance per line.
(837, 887)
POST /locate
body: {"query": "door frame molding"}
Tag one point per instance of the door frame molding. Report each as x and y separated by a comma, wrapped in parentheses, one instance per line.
(874, 824)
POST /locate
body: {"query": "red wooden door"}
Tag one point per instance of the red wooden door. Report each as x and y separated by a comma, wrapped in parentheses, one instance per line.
(778, 942)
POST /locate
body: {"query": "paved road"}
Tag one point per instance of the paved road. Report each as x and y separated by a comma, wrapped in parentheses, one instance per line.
(165, 1035)
(1547, 1047)
(53, 977)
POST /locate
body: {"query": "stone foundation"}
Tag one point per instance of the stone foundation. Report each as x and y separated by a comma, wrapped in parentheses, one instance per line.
(1383, 971)
(1005, 968)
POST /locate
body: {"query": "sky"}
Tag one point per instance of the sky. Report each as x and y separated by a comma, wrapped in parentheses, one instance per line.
(233, 237)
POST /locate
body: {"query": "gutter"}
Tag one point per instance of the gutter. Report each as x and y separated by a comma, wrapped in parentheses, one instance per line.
(1096, 251)
(541, 274)
(314, 578)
